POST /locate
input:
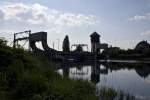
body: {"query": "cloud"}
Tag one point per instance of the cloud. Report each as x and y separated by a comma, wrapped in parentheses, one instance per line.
(37, 14)
(146, 33)
(140, 17)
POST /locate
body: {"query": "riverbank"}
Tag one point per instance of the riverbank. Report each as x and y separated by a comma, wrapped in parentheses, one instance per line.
(25, 76)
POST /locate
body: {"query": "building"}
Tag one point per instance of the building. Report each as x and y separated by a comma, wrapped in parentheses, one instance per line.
(143, 47)
(96, 45)
(95, 41)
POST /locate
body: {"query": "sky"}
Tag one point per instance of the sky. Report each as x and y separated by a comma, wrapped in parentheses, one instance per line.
(121, 23)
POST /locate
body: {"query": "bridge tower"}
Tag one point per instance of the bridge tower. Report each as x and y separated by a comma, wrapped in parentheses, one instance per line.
(26, 38)
(95, 41)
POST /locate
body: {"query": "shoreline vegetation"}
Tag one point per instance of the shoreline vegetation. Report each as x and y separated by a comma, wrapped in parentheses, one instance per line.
(106, 93)
(26, 76)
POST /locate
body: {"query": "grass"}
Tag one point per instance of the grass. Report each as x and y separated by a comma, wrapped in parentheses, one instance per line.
(106, 93)
(25, 76)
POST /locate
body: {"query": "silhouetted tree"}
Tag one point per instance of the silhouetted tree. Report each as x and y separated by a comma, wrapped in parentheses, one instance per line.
(3, 42)
(66, 44)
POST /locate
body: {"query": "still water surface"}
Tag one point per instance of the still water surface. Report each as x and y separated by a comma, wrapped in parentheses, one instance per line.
(131, 78)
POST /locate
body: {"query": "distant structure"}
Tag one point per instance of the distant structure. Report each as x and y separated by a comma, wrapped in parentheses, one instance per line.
(95, 41)
(96, 45)
(79, 47)
(66, 44)
(16, 40)
(77, 55)
(143, 47)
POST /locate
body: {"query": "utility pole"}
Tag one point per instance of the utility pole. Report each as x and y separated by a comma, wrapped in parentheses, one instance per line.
(14, 41)
(58, 44)
(53, 45)
(29, 41)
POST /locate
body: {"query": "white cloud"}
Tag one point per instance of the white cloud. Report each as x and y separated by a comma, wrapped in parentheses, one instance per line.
(13, 10)
(37, 14)
(69, 19)
(146, 33)
(140, 17)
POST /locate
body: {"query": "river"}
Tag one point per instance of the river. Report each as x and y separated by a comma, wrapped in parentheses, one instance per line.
(130, 77)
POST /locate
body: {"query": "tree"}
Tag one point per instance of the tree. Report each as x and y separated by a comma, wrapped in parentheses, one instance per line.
(3, 42)
(66, 44)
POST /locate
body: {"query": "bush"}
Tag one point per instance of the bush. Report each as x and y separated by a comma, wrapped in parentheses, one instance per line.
(25, 76)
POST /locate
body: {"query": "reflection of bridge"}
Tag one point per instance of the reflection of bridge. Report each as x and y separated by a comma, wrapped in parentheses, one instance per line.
(53, 54)
(95, 70)
(80, 70)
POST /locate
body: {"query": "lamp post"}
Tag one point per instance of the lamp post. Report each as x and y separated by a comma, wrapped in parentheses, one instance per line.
(58, 44)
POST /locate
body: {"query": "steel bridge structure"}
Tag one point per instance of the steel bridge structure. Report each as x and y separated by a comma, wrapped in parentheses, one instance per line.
(50, 52)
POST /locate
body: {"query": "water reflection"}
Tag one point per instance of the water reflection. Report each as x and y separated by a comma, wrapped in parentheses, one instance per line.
(129, 77)
(143, 70)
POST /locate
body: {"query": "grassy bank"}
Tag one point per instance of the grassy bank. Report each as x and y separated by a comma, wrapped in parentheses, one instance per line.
(27, 76)
(24, 76)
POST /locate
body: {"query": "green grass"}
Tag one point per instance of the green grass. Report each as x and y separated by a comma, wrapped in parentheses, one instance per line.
(106, 93)
(25, 76)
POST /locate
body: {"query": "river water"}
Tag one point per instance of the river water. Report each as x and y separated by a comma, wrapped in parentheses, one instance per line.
(132, 78)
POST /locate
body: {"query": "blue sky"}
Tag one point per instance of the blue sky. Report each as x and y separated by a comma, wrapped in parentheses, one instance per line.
(121, 23)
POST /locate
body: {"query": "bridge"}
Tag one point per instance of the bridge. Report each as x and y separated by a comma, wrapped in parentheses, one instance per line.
(54, 54)
(60, 55)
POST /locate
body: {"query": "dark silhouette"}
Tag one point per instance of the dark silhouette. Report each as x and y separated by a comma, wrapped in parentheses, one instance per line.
(143, 47)
(98, 50)
(95, 40)
(66, 44)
